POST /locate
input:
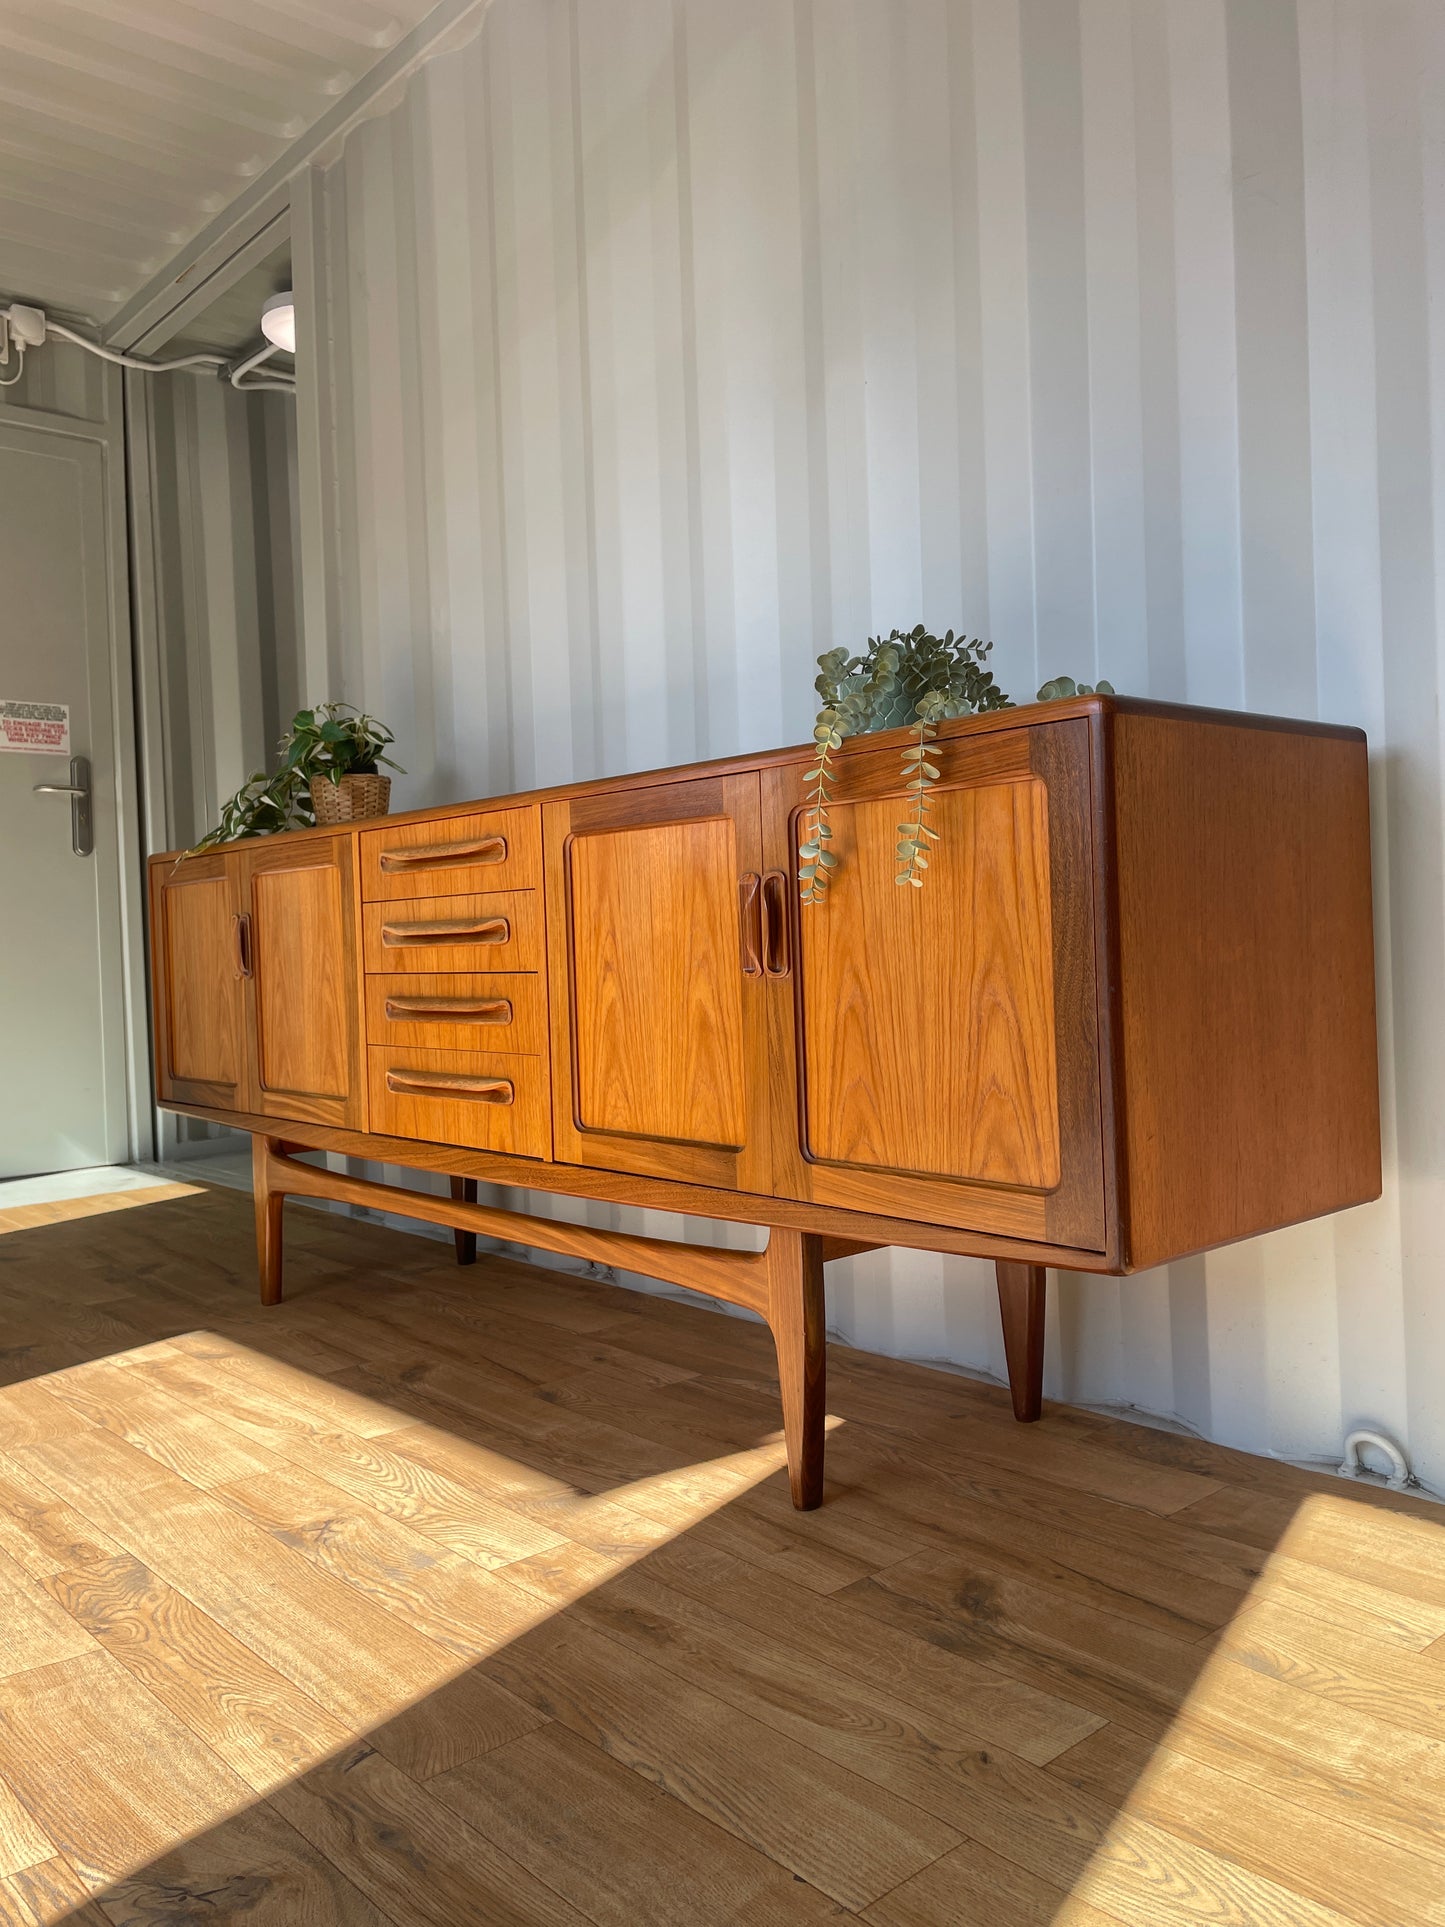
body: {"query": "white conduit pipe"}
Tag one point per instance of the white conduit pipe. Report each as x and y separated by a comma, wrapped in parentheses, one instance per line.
(1401, 1478)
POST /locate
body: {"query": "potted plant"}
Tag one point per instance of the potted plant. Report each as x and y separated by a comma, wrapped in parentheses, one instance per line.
(338, 748)
(328, 774)
(910, 679)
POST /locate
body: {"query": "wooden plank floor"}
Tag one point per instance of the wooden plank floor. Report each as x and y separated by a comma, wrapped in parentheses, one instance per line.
(442, 1596)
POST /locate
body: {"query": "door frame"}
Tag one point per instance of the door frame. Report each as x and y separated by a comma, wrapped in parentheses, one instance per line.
(125, 1013)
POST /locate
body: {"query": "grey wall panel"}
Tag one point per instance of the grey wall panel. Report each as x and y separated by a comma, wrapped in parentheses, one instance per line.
(668, 344)
(223, 507)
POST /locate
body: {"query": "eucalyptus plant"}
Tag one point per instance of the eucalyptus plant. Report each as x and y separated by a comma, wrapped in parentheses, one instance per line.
(330, 740)
(910, 679)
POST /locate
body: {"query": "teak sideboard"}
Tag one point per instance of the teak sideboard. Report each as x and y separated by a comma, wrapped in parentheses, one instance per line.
(1129, 1015)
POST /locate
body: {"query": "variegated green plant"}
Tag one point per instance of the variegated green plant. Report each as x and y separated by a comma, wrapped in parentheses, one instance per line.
(910, 679)
(331, 740)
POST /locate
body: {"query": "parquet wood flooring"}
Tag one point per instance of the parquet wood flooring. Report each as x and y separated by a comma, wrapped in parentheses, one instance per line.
(440, 1596)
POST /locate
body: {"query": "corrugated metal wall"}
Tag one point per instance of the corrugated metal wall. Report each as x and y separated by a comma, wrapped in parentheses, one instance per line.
(217, 611)
(670, 343)
(222, 532)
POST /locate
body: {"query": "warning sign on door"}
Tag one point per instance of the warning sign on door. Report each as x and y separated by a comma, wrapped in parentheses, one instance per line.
(37, 727)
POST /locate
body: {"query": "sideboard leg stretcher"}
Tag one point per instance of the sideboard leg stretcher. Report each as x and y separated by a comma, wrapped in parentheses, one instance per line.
(783, 1283)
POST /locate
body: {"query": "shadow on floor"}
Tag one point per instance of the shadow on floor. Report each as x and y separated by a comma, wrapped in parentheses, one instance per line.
(441, 1596)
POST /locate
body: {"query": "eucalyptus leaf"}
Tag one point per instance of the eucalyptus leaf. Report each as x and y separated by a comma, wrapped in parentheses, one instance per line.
(906, 679)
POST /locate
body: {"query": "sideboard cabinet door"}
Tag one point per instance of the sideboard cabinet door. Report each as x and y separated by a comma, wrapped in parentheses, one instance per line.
(943, 1040)
(305, 982)
(198, 981)
(659, 1024)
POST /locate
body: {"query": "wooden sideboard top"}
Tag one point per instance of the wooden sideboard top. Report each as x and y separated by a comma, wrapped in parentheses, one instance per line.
(1022, 715)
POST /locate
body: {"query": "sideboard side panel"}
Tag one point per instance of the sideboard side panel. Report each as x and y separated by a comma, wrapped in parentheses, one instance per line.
(1250, 1082)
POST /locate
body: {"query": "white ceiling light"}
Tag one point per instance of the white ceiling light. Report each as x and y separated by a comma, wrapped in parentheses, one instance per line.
(278, 321)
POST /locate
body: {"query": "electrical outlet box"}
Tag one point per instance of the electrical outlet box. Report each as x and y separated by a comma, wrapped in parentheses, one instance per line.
(27, 325)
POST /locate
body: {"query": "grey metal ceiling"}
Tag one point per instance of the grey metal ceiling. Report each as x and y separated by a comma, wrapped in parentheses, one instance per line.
(126, 125)
(231, 324)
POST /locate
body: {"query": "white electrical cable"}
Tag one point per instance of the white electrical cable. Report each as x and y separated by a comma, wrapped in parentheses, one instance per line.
(132, 361)
(243, 368)
(279, 384)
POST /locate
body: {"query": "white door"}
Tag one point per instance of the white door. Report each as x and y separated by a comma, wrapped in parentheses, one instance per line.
(62, 1045)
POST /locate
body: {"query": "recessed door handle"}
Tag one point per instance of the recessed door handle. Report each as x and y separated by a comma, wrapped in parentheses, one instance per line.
(476, 1090)
(82, 829)
(241, 938)
(748, 925)
(777, 961)
(450, 1010)
(457, 930)
(442, 856)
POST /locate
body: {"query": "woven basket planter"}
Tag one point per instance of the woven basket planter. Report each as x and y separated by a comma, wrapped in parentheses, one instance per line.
(351, 798)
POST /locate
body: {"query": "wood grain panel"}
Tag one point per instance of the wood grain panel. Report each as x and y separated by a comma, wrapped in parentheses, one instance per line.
(453, 855)
(304, 1017)
(303, 1031)
(658, 1017)
(937, 1051)
(486, 1011)
(928, 1015)
(197, 983)
(659, 1023)
(1246, 979)
(487, 930)
(496, 1102)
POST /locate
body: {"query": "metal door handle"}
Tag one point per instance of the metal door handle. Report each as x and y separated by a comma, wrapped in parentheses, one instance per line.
(82, 829)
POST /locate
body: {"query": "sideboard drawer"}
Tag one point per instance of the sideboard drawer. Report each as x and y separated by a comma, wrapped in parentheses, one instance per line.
(492, 850)
(491, 1103)
(500, 930)
(477, 1012)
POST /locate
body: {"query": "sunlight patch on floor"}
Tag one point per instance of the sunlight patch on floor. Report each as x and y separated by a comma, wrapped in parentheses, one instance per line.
(219, 1570)
(1320, 1682)
(22, 1210)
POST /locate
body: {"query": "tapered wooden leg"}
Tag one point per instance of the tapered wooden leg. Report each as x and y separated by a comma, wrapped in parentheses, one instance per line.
(465, 1189)
(1021, 1301)
(268, 1219)
(796, 1316)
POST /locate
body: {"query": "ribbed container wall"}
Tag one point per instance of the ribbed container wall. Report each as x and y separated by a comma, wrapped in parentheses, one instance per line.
(214, 520)
(671, 343)
(222, 482)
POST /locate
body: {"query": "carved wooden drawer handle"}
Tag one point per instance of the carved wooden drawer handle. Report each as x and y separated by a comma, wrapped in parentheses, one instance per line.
(450, 930)
(476, 1090)
(451, 1010)
(441, 856)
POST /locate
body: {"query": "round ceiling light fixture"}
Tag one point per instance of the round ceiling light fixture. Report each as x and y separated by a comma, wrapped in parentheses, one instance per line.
(278, 321)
